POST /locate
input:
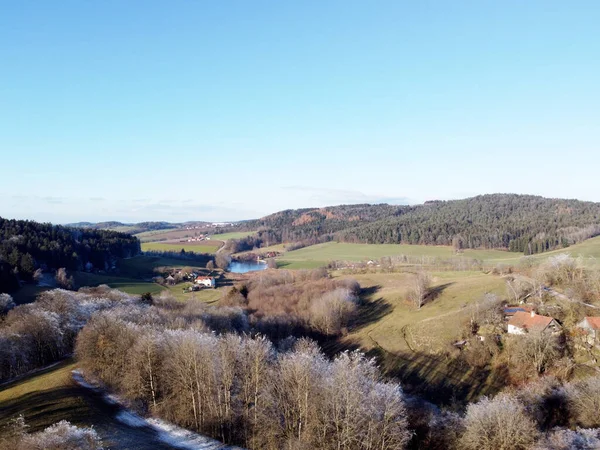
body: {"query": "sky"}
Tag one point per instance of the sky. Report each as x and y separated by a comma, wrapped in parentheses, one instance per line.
(228, 110)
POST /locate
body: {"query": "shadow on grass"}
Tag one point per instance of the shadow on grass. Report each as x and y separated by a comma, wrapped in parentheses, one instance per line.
(370, 310)
(440, 380)
(434, 292)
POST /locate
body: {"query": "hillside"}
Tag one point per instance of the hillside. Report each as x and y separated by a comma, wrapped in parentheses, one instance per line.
(316, 224)
(26, 246)
(519, 223)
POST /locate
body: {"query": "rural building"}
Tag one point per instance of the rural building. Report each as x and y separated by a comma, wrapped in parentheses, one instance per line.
(170, 280)
(206, 281)
(522, 322)
(591, 327)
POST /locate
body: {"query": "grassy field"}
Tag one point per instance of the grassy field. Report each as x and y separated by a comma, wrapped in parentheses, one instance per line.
(319, 255)
(162, 235)
(207, 295)
(134, 286)
(43, 398)
(232, 235)
(201, 247)
(406, 339)
(440, 319)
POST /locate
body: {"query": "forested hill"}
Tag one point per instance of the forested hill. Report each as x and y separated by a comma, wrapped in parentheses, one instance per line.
(314, 224)
(26, 246)
(522, 223)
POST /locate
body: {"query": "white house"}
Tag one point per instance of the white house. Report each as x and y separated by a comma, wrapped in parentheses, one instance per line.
(522, 322)
(206, 281)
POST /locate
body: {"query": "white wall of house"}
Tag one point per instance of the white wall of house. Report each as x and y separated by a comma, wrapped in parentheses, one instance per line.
(515, 330)
(207, 282)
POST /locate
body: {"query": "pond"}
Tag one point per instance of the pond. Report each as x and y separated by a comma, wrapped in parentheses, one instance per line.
(246, 266)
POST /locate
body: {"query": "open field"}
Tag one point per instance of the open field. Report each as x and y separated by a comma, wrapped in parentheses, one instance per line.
(196, 247)
(232, 235)
(440, 319)
(406, 339)
(143, 266)
(163, 235)
(207, 295)
(134, 286)
(321, 254)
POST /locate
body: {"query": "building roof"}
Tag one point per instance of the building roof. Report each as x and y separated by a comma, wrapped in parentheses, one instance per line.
(511, 310)
(525, 320)
(594, 322)
(204, 278)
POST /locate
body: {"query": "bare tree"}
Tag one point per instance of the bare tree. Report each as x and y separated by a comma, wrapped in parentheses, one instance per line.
(518, 288)
(419, 289)
(63, 279)
(584, 399)
(6, 303)
(536, 349)
(498, 424)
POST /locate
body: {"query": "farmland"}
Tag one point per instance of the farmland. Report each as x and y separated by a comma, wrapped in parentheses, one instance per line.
(321, 254)
(232, 235)
(196, 247)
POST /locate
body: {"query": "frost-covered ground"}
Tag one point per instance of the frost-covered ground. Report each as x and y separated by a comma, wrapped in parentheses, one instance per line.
(157, 434)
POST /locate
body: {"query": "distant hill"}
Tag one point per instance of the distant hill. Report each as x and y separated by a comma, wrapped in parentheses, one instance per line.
(131, 228)
(520, 223)
(26, 246)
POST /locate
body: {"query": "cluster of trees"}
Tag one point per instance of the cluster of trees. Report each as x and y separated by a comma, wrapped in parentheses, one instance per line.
(39, 333)
(26, 246)
(285, 302)
(520, 223)
(241, 389)
(545, 415)
(60, 436)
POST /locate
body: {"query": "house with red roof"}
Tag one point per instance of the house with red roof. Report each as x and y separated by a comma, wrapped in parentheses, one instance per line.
(591, 327)
(524, 322)
(206, 281)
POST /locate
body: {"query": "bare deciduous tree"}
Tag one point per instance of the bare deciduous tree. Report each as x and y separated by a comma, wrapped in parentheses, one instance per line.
(419, 289)
(498, 424)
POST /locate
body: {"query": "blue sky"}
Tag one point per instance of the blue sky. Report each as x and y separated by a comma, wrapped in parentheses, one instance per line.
(224, 110)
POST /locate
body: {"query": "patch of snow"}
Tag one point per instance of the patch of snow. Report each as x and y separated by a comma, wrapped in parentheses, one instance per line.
(181, 438)
(166, 432)
(131, 419)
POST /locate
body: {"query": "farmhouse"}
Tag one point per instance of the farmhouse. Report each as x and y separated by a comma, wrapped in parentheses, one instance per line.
(206, 281)
(591, 327)
(522, 322)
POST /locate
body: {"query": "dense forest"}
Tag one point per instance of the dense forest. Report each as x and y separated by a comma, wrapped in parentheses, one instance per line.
(519, 223)
(314, 225)
(26, 246)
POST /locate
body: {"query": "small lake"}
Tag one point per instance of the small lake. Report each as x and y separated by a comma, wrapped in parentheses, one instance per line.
(246, 266)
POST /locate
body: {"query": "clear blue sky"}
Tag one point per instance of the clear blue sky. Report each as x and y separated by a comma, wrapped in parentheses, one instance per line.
(223, 110)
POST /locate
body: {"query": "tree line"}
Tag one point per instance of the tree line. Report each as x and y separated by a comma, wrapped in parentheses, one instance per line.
(242, 389)
(26, 246)
(518, 223)
(40, 333)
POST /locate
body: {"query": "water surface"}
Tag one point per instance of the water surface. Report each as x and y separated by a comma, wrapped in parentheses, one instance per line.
(246, 266)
